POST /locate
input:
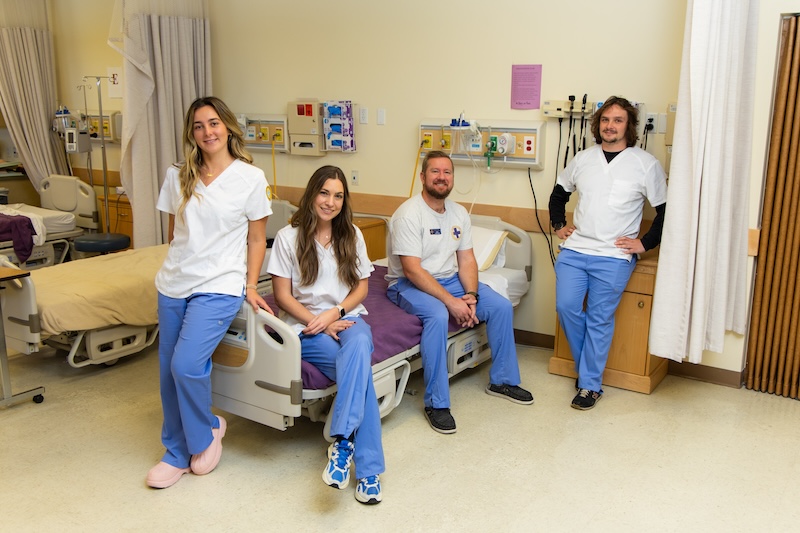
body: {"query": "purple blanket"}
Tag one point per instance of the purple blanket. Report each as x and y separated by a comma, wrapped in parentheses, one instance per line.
(19, 230)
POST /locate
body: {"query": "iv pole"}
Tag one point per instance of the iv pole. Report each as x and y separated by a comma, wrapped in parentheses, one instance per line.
(102, 147)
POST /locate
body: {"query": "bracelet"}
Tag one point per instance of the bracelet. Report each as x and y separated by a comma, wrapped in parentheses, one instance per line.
(251, 286)
(475, 294)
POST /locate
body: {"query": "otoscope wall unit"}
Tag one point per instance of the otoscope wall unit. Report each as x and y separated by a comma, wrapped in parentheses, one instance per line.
(502, 142)
(264, 130)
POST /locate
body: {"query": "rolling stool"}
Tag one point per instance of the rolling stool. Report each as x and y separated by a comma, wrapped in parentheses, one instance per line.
(102, 242)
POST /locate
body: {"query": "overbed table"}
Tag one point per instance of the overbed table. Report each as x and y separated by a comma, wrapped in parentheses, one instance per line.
(8, 274)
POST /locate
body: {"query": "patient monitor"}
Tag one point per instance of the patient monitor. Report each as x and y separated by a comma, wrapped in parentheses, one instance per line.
(77, 141)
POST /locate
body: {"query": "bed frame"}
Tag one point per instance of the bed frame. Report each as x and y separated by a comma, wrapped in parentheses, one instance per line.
(258, 369)
(59, 193)
(106, 344)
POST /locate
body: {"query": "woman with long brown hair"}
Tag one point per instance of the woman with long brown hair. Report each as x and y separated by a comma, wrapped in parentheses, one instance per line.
(320, 272)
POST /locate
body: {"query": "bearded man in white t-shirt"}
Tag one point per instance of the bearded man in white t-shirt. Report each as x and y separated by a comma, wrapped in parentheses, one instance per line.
(433, 274)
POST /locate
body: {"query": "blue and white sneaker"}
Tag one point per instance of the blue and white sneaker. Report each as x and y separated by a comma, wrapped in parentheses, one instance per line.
(368, 490)
(340, 455)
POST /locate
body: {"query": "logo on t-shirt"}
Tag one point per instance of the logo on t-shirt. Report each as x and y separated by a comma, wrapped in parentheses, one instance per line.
(435, 231)
(456, 232)
(269, 193)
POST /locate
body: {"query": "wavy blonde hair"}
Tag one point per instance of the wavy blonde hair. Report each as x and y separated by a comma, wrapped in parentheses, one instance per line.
(343, 234)
(189, 170)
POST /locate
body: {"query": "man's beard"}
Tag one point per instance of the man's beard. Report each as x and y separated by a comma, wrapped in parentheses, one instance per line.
(433, 193)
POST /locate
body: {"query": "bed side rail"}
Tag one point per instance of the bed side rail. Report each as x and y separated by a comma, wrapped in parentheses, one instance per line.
(257, 370)
(519, 249)
(21, 319)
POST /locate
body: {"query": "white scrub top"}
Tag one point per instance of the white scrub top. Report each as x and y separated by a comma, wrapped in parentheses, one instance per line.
(611, 197)
(208, 252)
(328, 291)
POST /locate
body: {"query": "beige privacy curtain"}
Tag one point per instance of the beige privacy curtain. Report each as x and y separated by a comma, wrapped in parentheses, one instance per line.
(28, 89)
(701, 282)
(166, 53)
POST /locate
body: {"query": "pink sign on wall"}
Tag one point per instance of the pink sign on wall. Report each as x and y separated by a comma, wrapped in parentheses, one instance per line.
(526, 86)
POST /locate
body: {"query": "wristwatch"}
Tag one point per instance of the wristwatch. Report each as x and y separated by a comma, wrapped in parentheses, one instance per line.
(558, 225)
(341, 311)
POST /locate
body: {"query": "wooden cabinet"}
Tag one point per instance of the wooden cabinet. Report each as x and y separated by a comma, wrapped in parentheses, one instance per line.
(120, 215)
(630, 364)
(374, 231)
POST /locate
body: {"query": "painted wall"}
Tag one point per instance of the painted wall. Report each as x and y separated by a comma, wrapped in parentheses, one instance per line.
(80, 29)
(422, 59)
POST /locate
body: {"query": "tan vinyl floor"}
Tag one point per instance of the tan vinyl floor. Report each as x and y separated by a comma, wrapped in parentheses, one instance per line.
(690, 457)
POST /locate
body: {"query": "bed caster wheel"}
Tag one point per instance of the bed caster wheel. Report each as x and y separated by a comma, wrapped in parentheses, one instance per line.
(112, 362)
(38, 398)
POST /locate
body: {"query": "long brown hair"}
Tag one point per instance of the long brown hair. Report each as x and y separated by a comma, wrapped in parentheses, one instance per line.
(631, 135)
(343, 234)
(189, 172)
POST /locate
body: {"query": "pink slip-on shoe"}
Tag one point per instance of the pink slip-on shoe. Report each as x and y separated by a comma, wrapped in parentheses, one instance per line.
(165, 475)
(207, 460)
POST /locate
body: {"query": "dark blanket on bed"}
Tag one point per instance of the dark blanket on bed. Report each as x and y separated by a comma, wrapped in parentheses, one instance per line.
(19, 230)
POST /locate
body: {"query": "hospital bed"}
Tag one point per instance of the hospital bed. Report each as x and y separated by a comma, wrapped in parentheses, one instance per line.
(259, 374)
(69, 207)
(97, 309)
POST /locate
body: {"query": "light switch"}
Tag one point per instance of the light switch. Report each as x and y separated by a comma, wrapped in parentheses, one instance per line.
(381, 117)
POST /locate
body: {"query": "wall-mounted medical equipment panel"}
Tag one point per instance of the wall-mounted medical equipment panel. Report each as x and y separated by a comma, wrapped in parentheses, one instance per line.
(338, 126)
(111, 126)
(568, 108)
(305, 128)
(264, 130)
(507, 142)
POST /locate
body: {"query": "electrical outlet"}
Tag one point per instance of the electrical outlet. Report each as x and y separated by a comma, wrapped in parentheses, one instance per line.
(662, 123)
(651, 122)
(427, 140)
(363, 115)
(354, 178)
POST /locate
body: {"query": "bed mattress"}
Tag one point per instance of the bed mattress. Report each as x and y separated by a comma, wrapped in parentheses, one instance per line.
(511, 283)
(111, 289)
(54, 221)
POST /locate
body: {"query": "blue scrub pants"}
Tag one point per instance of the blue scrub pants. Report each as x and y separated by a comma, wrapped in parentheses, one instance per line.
(599, 282)
(493, 309)
(348, 362)
(189, 331)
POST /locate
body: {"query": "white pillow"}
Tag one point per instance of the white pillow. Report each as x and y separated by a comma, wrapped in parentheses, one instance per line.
(486, 244)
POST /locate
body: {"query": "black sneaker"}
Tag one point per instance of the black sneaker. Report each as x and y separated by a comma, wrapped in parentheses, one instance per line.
(510, 392)
(585, 399)
(440, 420)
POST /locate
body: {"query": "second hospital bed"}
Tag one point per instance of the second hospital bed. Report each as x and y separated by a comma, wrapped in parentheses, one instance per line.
(259, 373)
(69, 207)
